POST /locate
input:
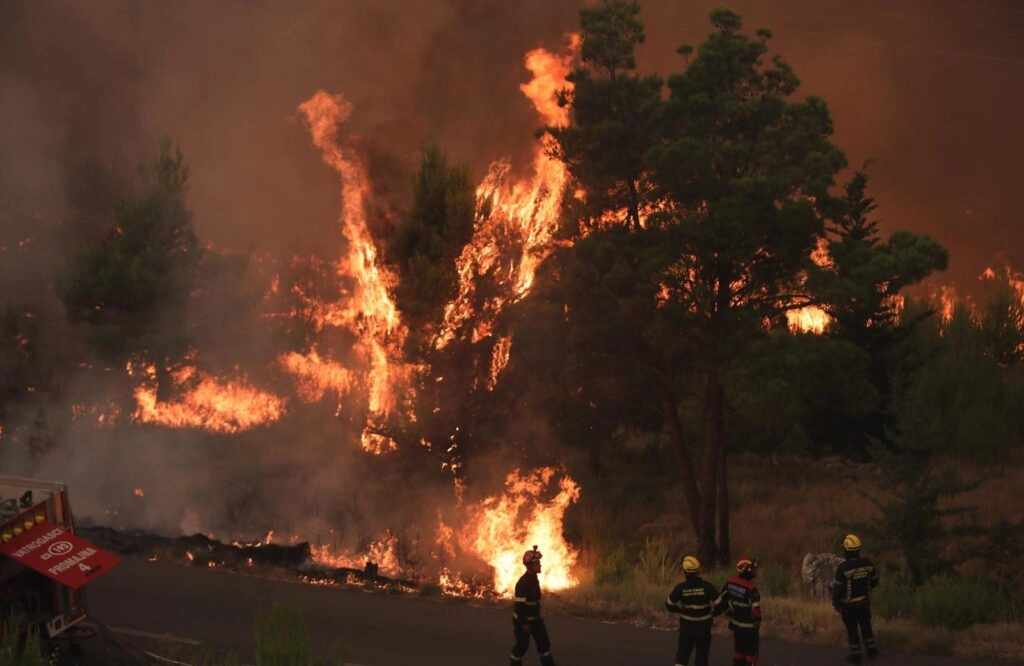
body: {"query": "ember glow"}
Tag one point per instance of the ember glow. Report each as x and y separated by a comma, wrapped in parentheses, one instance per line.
(381, 553)
(811, 319)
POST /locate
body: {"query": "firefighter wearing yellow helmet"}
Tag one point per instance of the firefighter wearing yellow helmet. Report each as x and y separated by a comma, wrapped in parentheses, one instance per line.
(526, 618)
(742, 602)
(694, 601)
(855, 577)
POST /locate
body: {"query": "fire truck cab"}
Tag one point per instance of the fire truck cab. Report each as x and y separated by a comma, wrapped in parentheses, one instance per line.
(42, 563)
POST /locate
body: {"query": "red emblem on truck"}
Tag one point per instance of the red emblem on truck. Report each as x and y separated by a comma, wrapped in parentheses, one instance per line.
(59, 554)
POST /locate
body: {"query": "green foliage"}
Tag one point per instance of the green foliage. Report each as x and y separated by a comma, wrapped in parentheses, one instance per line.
(860, 289)
(656, 564)
(774, 580)
(799, 393)
(1001, 319)
(427, 244)
(718, 577)
(894, 596)
(913, 521)
(956, 603)
(133, 286)
(282, 638)
(24, 650)
(734, 166)
(617, 567)
(957, 398)
(614, 115)
(1001, 550)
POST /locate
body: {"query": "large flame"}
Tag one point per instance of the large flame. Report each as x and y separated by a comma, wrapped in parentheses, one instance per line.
(520, 214)
(225, 406)
(501, 528)
(369, 309)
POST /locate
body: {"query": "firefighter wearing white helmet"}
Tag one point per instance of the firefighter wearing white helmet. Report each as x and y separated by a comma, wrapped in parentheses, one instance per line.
(855, 577)
(526, 618)
(694, 601)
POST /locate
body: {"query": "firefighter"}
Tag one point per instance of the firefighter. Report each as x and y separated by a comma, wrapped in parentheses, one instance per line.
(741, 601)
(855, 577)
(694, 600)
(526, 617)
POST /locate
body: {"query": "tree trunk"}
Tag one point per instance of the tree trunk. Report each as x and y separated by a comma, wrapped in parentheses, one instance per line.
(709, 466)
(634, 206)
(674, 431)
(724, 545)
(164, 382)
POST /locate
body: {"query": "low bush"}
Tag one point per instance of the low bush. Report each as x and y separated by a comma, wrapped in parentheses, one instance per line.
(28, 651)
(656, 565)
(614, 569)
(774, 580)
(894, 596)
(282, 638)
(955, 603)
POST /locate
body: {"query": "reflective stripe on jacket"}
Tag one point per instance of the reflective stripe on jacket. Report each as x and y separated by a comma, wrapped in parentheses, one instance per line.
(855, 578)
(742, 601)
(527, 600)
(694, 601)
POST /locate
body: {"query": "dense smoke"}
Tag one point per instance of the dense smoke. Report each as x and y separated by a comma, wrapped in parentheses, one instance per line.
(927, 91)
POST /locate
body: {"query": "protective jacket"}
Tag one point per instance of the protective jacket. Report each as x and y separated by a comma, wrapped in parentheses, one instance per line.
(855, 578)
(742, 602)
(527, 600)
(694, 600)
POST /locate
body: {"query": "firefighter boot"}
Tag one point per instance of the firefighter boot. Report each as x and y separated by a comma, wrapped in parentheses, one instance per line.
(547, 660)
(872, 653)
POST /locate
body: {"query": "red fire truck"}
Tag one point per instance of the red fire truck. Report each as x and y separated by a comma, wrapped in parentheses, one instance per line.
(43, 564)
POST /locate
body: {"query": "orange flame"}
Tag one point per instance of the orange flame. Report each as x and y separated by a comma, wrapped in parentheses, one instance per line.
(811, 319)
(381, 552)
(369, 311)
(211, 404)
(316, 375)
(500, 529)
(525, 213)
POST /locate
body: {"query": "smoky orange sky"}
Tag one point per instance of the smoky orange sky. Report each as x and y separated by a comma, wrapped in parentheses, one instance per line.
(927, 89)
(930, 90)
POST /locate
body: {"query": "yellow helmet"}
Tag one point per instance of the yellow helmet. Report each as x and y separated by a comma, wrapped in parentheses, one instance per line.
(851, 542)
(691, 564)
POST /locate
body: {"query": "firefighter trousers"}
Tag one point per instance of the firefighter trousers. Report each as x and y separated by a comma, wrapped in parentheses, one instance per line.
(690, 640)
(523, 633)
(746, 643)
(857, 619)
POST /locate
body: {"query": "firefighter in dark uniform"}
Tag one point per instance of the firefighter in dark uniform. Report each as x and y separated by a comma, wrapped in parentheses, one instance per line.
(526, 617)
(742, 603)
(855, 577)
(694, 600)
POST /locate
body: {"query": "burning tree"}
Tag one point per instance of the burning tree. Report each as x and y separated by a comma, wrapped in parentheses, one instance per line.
(735, 170)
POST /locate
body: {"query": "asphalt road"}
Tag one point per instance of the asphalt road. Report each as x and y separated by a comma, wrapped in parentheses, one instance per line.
(153, 606)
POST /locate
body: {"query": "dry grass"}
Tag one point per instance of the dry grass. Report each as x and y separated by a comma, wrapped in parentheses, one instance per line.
(782, 511)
